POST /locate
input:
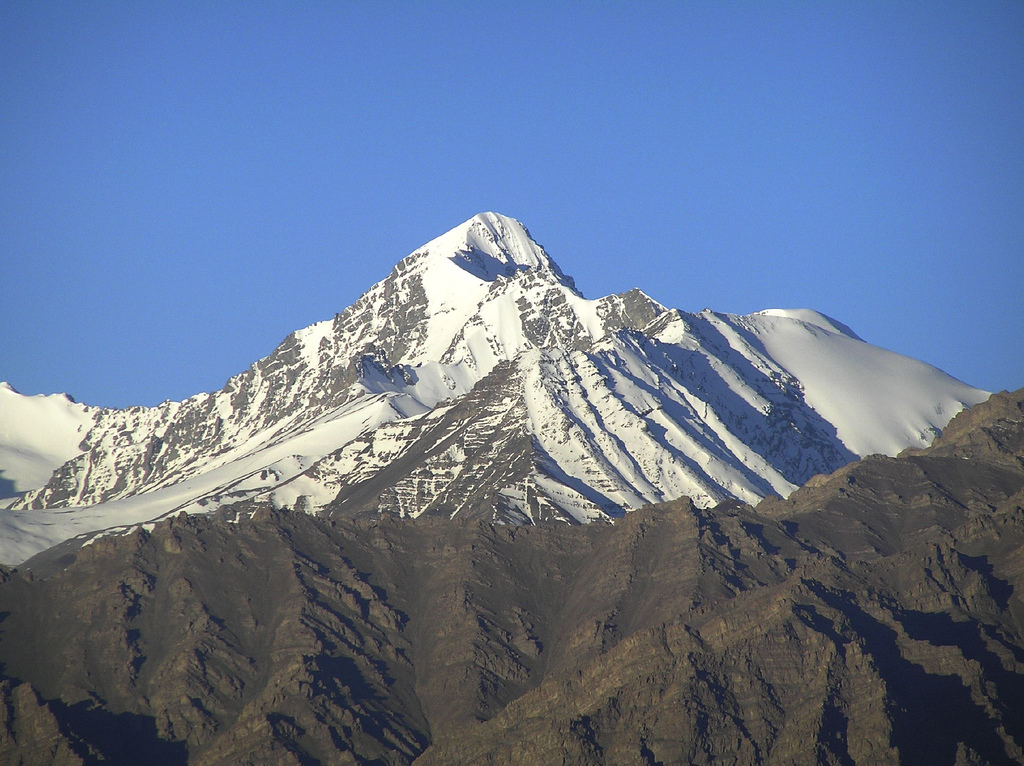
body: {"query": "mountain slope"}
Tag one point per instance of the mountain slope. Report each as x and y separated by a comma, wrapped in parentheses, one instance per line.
(38, 434)
(680, 634)
(550, 406)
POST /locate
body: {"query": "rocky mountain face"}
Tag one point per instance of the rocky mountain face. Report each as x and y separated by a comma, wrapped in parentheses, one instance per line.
(475, 381)
(872, 616)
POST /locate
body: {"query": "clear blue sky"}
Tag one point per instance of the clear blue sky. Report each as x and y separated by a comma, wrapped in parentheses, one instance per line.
(183, 184)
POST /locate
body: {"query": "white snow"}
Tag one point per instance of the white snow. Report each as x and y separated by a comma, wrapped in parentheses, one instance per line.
(880, 402)
(311, 337)
(503, 242)
(37, 435)
(24, 533)
(811, 317)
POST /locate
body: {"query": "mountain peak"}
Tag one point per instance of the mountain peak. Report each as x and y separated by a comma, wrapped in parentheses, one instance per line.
(814, 318)
(490, 245)
(475, 380)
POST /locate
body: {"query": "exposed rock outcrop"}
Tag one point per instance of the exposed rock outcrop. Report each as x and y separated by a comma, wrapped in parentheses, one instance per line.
(873, 617)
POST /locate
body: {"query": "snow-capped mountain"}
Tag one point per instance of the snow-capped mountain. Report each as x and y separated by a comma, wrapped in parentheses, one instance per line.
(476, 379)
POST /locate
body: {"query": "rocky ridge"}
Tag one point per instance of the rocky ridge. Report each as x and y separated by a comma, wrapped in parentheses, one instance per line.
(873, 616)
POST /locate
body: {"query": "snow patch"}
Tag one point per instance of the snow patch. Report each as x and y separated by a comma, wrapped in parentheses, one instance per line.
(879, 401)
(38, 434)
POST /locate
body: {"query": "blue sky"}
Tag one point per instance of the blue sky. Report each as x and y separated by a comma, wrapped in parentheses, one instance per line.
(183, 184)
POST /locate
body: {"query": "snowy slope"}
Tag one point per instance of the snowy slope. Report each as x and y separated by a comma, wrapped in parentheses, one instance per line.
(37, 435)
(475, 379)
(879, 401)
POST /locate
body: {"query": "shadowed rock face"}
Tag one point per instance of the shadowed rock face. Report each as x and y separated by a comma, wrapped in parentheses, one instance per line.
(875, 616)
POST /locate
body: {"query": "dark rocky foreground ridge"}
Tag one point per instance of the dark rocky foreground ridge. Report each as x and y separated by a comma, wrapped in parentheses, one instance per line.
(874, 616)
